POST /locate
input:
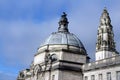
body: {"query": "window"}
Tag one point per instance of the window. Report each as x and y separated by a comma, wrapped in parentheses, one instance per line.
(53, 77)
(118, 75)
(100, 76)
(109, 76)
(86, 78)
(92, 77)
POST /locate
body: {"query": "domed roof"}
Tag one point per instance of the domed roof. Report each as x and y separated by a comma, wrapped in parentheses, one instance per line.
(63, 38)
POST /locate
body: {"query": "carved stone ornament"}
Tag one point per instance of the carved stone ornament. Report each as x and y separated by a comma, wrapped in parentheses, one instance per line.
(37, 69)
(53, 57)
(21, 75)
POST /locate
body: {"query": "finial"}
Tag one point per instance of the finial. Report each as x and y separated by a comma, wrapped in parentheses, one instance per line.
(63, 23)
(64, 14)
(105, 10)
(105, 19)
(105, 13)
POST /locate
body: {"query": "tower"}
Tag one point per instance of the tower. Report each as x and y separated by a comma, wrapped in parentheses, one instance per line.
(105, 46)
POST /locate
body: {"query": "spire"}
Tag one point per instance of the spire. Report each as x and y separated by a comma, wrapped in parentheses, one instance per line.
(105, 37)
(105, 19)
(63, 23)
(105, 33)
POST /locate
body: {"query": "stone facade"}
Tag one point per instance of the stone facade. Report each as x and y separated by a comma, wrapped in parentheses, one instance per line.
(102, 67)
(63, 57)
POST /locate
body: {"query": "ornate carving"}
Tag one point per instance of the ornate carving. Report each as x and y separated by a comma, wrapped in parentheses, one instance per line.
(37, 69)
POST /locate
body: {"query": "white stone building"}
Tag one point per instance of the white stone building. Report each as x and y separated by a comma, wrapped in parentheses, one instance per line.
(63, 57)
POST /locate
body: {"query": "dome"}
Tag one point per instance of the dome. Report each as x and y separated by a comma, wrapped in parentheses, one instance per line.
(63, 38)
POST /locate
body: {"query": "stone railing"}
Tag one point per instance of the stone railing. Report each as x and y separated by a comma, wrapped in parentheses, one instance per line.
(102, 63)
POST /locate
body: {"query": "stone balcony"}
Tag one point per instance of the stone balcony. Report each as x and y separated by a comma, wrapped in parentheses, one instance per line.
(102, 63)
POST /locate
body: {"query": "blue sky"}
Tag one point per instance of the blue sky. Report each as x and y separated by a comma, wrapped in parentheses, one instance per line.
(25, 24)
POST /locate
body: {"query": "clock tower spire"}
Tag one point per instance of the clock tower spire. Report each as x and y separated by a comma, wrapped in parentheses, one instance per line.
(105, 46)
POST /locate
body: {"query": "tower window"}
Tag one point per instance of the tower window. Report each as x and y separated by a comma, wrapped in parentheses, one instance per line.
(86, 78)
(53, 77)
(100, 77)
(109, 76)
(92, 77)
(118, 75)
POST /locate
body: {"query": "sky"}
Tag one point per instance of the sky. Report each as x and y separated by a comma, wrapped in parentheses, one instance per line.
(25, 24)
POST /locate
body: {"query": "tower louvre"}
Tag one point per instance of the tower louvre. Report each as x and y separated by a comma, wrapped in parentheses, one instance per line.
(105, 46)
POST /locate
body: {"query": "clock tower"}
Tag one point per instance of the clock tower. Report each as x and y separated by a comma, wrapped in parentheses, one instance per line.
(105, 46)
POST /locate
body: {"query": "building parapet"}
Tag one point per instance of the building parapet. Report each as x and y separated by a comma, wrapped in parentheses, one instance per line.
(112, 61)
